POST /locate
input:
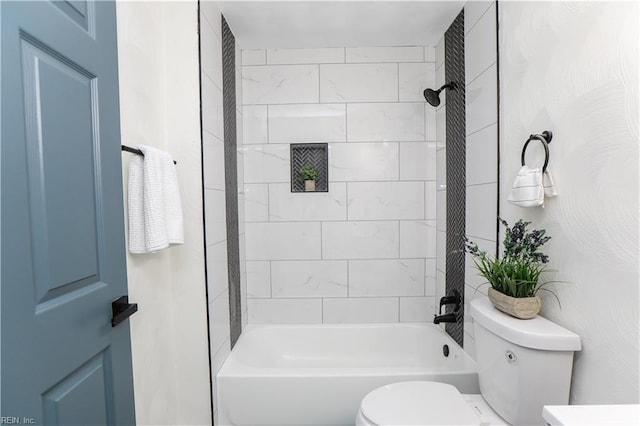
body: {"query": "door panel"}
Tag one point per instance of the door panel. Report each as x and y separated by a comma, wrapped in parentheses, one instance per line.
(63, 253)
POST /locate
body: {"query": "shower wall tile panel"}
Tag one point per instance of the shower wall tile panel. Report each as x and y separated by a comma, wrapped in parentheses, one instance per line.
(254, 122)
(402, 121)
(278, 84)
(361, 310)
(285, 311)
(482, 146)
(329, 55)
(413, 79)
(352, 83)
(307, 123)
(365, 250)
(385, 200)
(283, 240)
(373, 161)
(287, 206)
(385, 54)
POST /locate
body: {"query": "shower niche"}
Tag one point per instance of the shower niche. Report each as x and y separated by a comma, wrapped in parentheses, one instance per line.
(310, 157)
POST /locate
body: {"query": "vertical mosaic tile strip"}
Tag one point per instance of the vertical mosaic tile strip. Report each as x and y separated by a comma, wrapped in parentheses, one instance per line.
(231, 178)
(456, 181)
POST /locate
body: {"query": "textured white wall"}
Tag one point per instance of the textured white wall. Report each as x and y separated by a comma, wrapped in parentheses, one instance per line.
(364, 251)
(572, 68)
(159, 105)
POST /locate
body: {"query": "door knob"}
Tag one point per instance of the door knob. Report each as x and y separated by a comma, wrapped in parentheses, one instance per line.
(121, 309)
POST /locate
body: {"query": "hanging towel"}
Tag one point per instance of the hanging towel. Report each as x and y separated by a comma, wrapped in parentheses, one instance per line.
(527, 189)
(155, 211)
(549, 185)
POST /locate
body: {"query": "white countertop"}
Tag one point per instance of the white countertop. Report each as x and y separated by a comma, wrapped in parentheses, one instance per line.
(591, 415)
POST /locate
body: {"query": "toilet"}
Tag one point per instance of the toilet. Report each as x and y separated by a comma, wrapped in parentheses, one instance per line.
(523, 365)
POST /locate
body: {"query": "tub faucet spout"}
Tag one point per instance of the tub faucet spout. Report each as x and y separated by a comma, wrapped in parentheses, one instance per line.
(452, 317)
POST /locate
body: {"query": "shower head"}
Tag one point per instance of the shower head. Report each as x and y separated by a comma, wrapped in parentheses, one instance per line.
(433, 96)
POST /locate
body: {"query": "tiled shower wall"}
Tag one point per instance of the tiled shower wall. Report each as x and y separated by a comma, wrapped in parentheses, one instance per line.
(364, 251)
(214, 188)
(481, 150)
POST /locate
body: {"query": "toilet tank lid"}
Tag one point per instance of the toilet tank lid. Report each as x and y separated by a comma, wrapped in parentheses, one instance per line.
(535, 333)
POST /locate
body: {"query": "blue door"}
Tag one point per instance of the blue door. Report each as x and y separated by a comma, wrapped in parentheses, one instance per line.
(63, 252)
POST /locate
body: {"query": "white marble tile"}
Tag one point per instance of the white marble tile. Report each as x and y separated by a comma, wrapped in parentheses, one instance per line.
(440, 53)
(482, 156)
(441, 251)
(363, 161)
(254, 57)
(254, 124)
(323, 55)
(219, 320)
(385, 200)
(469, 343)
(441, 210)
(360, 240)
(385, 54)
(359, 83)
(283, 241)
(217, 277)
(417, 161)
(211, 57)
(481, 99)
(285, 205)
(316, 278)
(480, 46)
(418, 238)
(266, 163)
(393, 277)
(256, 202)
(215, 216)
(258, 279)
(220, 356)
(430, 54)
(430, 200)
(431, 133)
(430, 277)
(416, 309)
(213, 159)
(360, 310)
(212, 114)
(481, 214)
(473, 10)
(385, 122)
(274, 84)
(414, 78)
(212, 14)
(441, 169)
(307, 123)
(285, 311)
(441, 127)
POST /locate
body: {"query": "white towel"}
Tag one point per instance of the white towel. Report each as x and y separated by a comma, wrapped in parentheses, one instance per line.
(531, 186)
(527, 189)
(155, 212)
(549, 185)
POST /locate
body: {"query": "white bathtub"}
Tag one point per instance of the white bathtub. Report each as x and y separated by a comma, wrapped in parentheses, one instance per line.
(318, 374)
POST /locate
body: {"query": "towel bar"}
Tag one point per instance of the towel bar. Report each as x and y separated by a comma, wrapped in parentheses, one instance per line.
(136, 151)
(545, 138)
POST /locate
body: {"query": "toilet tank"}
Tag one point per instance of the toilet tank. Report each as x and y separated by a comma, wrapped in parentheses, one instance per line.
(523, 365)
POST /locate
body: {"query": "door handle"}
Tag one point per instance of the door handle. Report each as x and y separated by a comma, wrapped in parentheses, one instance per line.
(121, 309)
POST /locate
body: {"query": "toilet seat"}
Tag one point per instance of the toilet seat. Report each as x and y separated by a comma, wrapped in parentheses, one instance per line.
(417, 403)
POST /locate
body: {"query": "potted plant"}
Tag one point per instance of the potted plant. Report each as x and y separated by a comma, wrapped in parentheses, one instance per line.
(514, 277)
(309, 174)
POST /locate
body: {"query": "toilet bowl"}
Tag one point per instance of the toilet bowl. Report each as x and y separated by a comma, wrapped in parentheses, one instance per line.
(523, 365)
(424, 403)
